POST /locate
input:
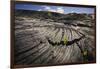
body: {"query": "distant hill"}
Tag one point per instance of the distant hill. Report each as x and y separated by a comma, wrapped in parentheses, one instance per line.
(52, 15)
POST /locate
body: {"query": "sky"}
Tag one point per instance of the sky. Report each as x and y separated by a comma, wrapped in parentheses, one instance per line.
(59, 9)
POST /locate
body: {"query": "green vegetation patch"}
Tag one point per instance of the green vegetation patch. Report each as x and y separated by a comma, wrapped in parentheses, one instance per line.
(65, 39)
(49, 14)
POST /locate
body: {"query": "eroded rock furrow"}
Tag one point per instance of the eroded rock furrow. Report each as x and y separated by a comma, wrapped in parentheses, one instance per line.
(52, 40)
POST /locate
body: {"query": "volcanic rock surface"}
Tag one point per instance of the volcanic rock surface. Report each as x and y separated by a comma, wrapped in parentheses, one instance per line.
(43, 37)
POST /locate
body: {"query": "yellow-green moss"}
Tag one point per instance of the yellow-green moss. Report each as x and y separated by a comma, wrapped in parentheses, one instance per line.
(65, 40)
(49, 14)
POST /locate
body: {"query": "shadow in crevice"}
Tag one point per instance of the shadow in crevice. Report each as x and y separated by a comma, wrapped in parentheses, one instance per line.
(62, 42)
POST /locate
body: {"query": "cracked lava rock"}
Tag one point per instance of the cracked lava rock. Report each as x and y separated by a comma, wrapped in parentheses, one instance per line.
(53, 39)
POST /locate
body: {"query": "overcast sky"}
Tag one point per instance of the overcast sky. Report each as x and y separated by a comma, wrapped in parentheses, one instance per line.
(60, 9)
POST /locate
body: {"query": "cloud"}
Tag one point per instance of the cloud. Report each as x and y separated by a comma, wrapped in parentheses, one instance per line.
(53, 10)
(57, 9)
(72, 11)
(39, 9)
(46, 7)
(60, 10)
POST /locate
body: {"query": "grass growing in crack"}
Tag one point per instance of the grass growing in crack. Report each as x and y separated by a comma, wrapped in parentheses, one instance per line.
(85, 55)
(49, 14)
(65, 40)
